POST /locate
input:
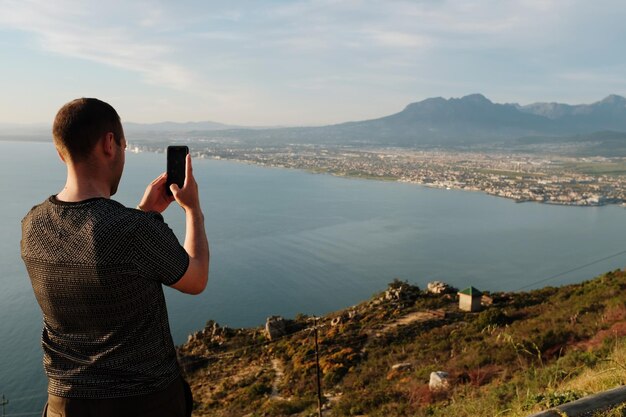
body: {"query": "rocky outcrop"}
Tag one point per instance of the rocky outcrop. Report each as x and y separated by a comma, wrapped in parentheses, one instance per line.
(275, 327)
(401, 293)
(438, 287)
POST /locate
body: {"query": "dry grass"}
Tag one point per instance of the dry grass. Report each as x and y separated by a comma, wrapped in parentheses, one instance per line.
(609, 373)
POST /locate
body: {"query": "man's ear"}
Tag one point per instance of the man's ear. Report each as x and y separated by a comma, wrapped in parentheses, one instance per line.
(109, 144)
(61, 156)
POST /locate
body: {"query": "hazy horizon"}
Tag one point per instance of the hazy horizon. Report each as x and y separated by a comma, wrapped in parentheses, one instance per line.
(47, 125)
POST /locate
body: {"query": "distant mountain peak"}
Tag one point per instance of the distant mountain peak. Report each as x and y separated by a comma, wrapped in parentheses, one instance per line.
(614, 99)
(475, 119)
(435, 103)
(476, 98)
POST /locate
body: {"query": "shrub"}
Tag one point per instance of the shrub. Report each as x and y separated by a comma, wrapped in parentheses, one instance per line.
(554, 399)
(286, 408)
(492, 316)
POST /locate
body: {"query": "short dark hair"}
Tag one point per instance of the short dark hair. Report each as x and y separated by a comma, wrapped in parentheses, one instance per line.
(79, 125)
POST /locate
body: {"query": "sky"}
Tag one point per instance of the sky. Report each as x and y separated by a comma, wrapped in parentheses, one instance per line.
(311, 62)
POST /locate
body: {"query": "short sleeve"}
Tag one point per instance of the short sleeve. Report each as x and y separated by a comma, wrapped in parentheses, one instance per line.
(158, 254)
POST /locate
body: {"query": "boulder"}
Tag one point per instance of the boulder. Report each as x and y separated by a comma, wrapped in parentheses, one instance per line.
(439, 381)
(486, 300)
(401, 292)
(438, 287)
(393, 294)
(275, 327)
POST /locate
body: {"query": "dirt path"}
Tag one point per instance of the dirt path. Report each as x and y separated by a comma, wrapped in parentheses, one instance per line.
(277, 366)
(411, 318)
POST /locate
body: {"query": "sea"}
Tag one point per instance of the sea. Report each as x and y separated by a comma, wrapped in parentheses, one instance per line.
(285, 242)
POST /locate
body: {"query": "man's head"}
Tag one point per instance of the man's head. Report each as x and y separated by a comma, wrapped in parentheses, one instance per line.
(81, 123)
(88, 132)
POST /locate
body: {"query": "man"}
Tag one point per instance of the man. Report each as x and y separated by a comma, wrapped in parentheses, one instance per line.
(97, 270)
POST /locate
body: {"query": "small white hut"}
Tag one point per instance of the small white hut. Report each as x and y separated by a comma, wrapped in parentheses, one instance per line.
(469, 299)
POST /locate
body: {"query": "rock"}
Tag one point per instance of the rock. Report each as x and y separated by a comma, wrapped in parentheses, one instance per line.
(405, 366)
(393, 294)
(401, 293)
(343, 318)
(398, 370)
(486, 300)
(376, 302)
(439, 381)
(215, 329)
(438, 287)
(336, 321)
(275, 327)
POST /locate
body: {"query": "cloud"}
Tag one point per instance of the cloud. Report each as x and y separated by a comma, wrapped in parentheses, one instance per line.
(247, 53)
(159, 39)
(60, 27)
(396, 39)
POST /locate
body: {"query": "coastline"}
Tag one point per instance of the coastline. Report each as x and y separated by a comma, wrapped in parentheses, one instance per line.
(514, 186)
(502, 193)
(518, 177)
(370, 177)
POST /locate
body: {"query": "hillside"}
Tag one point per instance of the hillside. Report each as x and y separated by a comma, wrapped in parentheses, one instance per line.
(466, 120)
(609, 144)
(524, 352)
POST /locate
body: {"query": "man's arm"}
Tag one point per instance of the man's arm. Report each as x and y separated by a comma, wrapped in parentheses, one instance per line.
(196, 244)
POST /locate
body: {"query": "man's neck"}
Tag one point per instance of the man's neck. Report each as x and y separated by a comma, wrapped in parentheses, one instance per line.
(80, 187)
(71, 196)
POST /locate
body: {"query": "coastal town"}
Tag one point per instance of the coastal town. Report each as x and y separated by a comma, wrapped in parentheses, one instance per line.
(550, 179)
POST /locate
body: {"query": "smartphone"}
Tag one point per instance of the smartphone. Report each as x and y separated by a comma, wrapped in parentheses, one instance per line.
(176, 160)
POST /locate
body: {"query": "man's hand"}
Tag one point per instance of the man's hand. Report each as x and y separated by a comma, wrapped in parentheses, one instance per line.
(155, 197)
(196, 244)
(187, 196)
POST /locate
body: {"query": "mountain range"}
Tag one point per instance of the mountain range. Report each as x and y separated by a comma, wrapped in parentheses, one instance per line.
(473, 119)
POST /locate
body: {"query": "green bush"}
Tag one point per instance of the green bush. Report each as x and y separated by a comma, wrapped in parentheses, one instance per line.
(554, 399)
(286, 408)
(492, 316)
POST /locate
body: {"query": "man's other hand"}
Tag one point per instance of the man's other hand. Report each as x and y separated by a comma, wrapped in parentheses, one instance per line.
(155, 197)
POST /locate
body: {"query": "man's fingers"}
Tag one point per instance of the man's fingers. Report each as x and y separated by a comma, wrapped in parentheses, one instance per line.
(161, 178)
(188, 168)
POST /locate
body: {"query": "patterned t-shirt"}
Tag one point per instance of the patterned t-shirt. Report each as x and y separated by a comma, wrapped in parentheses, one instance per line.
(97, 270)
